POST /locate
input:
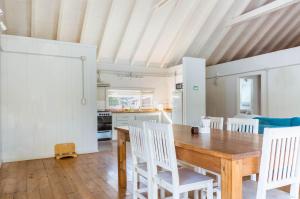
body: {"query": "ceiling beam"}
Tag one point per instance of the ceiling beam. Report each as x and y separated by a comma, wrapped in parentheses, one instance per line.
(169, 18)
(33, 17)
(208, 48)
(71, 19)
(227, 43)
(235, 39)
(263, 10)
(141, 15)
(60, 16)
(292, 36)
(190, 23)
(198, 31)
(271, 21)
(182, 15)
(285, 33)
(150, 36)
(272, 34)
(95, 18)
(117, 22)
(246, 36)
(126, 29)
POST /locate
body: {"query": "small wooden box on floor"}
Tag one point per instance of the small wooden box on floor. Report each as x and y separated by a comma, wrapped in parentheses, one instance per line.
(65, 150)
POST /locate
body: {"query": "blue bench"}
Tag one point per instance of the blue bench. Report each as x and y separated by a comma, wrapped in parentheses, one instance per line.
(267, 122)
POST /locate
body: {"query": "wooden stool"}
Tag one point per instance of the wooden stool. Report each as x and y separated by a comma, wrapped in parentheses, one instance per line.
(65, 150)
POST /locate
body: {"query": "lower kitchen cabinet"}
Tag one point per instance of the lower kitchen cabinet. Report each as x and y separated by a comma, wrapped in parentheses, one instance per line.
(122, 119)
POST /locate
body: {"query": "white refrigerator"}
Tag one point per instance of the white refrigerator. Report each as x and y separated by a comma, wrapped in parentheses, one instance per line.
(177, 104)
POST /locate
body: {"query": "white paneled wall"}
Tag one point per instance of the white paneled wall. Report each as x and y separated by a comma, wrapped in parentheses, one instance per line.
(280, 84)
(41, 98)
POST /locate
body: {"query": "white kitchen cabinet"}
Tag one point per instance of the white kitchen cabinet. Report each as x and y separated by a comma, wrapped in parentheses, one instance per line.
(123, 119)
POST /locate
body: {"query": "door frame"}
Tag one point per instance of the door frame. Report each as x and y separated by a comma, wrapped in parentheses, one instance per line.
(263, 94)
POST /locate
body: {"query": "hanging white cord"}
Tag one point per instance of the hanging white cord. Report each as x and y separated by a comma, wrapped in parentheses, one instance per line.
(83, 98)
(82, 58)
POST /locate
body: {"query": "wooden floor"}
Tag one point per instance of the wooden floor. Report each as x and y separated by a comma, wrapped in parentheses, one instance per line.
(91, 176)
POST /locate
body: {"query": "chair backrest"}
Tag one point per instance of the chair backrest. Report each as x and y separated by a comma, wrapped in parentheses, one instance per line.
(216, 122)
(162, 148)
(138, 138)
(280, 161)
(242, 125)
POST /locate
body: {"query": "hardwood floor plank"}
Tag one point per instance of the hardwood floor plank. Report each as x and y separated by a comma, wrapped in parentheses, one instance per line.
(90, 176)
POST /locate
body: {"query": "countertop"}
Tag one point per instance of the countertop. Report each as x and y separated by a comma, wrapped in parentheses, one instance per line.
(139, 111)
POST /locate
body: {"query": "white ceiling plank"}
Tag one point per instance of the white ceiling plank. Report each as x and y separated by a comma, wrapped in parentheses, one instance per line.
(156, 24)
(260, 34)
(240, 43)
(293, 19)
(95, 19)
(292, 36)
(297, 43)
(236, 38)
(117, 21)
(191, 26)
(208, 18)
(226, 44)
(272, 35)
(263, 10)
(18, 17)
(44, 20)
(177, 21)
(214, 20)
(140, 18)
(215, 39)
(71, 20)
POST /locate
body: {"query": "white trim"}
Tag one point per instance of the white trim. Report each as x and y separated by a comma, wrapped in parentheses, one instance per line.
(278, 59)
(263, 10)
(263, 94)
(43, 156)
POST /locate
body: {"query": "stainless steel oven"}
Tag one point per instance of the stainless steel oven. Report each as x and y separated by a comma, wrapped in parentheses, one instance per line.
(104, 131)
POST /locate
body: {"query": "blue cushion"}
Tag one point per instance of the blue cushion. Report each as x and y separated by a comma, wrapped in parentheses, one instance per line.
(274, 121)
(295, 121)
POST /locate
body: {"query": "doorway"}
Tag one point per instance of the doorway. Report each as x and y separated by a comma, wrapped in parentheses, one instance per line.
(251, 94)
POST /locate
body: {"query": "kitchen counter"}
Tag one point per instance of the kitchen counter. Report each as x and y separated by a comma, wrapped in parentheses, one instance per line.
(140, 111)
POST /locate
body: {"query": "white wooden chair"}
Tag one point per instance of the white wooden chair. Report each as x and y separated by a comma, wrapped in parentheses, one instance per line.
(140, 158)
(162, 154)
(242, 125)
(215, 122)
(280, 165)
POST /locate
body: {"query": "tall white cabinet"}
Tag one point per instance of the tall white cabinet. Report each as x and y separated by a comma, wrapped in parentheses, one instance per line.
(192, 74)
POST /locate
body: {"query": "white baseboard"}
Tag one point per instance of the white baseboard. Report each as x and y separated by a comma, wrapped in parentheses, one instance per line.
(43, 156)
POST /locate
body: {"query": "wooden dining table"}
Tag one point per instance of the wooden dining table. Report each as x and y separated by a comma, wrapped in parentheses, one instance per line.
(231, 154)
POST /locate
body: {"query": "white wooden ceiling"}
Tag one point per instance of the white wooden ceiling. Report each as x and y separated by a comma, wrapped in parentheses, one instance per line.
(138, 33)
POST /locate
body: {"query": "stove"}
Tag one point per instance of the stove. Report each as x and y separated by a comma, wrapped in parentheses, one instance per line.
(104, 131)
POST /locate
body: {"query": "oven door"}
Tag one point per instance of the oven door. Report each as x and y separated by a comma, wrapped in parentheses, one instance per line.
(104, 123)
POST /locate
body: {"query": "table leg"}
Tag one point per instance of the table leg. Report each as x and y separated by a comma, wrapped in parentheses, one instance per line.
(232, 179)
(122, 177)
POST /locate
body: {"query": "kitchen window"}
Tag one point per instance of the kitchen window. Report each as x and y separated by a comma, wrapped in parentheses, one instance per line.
(129, 99)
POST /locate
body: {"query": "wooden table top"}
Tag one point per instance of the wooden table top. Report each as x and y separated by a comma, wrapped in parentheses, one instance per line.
(218, 143)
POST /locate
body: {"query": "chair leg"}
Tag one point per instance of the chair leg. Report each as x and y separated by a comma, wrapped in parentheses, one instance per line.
(253, 177)
(154, 191)
(218, 194)
(294, 192)
(176, 195)
(135, 184)
(196, 194)
(203, 194)
(162, 193)
(210, 192)
(185, 195)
